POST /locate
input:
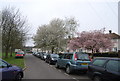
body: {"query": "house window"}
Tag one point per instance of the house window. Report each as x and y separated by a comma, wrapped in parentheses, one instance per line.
(115, 49)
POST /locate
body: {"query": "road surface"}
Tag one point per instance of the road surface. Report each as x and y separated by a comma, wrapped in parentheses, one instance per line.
(38, 69)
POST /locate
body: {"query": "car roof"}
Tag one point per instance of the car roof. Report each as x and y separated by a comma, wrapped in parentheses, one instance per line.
(108, 58)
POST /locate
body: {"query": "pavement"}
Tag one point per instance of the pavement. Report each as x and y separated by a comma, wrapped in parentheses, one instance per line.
(38, 69)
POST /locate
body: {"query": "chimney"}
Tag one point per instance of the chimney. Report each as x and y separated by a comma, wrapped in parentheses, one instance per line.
(110, 31)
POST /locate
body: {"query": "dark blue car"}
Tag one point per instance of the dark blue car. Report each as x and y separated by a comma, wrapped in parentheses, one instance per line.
(9, 71)
(104, 69)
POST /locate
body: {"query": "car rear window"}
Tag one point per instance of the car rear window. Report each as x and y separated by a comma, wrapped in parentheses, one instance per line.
(113, 65)
(99, 62)
(19, 53)
(83, 57)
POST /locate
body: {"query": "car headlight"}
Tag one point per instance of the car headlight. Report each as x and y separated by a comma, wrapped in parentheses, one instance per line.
(44, 56)
(52, 58)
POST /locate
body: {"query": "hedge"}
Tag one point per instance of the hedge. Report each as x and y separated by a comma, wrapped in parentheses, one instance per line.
(108, 54)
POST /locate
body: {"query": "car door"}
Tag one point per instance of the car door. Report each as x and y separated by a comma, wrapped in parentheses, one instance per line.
(60, 60)
(67, 58)
(97, 67)
(112, 70)
(7, 72)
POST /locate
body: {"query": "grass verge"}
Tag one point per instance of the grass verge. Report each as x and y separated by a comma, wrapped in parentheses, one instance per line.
(0, 55)
(15, 61)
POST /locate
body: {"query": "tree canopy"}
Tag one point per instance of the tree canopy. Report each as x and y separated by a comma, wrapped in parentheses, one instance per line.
(53, 35)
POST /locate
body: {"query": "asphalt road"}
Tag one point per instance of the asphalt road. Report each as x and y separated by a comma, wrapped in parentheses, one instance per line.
(38, 69)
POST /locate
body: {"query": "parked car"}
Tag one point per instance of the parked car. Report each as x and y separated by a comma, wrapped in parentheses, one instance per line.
(104, 69)
(9, 71)
(44, 56)
(73, 61)
(38, 54)
(35, 53)
(20, 54)
(41, 55)
(51, 58)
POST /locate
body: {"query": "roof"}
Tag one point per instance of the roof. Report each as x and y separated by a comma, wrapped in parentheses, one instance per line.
(114, 36)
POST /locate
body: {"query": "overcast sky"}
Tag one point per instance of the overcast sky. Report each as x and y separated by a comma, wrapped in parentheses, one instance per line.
(90, 14)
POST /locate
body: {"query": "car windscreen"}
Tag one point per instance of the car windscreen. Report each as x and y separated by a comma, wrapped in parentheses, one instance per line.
(3, 64)
(84, 57)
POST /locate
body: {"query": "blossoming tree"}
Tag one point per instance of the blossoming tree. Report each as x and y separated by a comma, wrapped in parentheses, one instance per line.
(92, 40)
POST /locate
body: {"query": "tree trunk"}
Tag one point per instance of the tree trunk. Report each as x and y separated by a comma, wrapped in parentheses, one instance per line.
(6, 53)
(52, 50)
(97, 50)
(92, 54)
(11, 53)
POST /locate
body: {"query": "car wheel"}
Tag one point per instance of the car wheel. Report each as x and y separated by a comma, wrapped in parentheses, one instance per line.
(68, 70)
(97, 78)
(18, 77)
(56, 65)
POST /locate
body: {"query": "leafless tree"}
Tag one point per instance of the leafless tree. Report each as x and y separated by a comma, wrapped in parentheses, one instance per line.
(13, 30)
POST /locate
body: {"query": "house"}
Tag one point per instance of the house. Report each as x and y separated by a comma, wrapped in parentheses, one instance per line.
(114, 37)
(27, 49)
(36, 50)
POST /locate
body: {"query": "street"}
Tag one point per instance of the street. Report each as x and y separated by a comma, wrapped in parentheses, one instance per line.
(38, 69)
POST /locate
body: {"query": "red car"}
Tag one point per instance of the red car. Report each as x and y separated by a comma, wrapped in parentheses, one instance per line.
(19, 54)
